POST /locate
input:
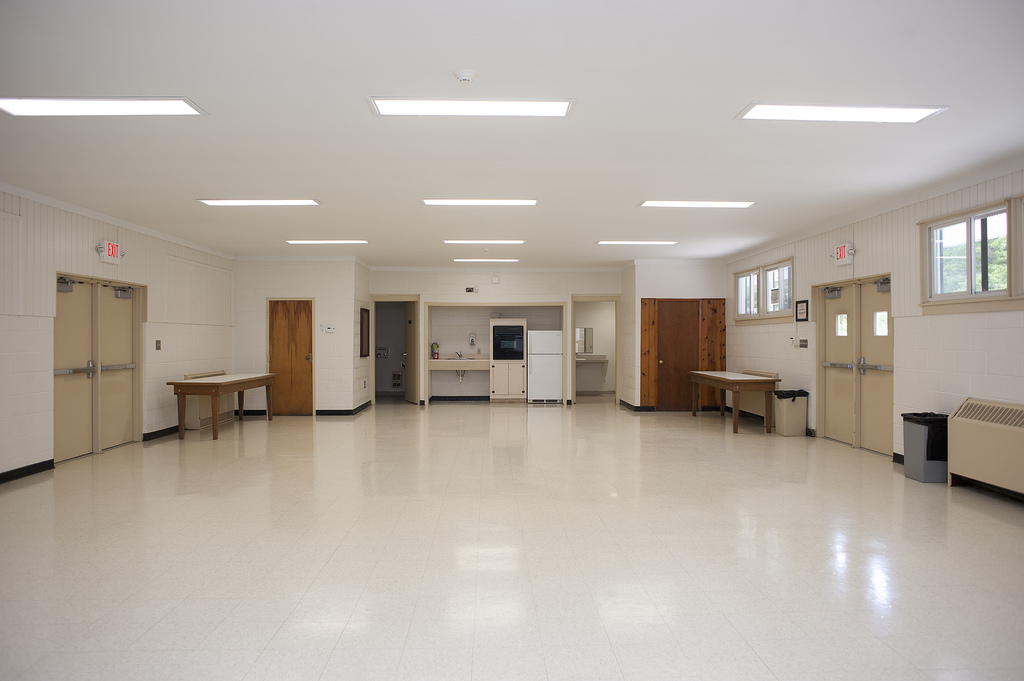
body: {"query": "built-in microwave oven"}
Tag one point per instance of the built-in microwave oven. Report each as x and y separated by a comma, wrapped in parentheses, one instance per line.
(508, 342)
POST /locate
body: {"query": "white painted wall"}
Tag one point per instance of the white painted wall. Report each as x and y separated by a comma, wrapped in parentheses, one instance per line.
(940, 359)
(189, 308)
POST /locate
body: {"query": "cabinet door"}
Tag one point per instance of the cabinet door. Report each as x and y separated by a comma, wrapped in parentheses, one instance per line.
(516, 379)
(499, 379)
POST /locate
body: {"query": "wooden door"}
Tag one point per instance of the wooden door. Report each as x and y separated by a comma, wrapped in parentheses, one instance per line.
(116, 365)
(412, 364)
(678, 333)
(72, 392)
(840, 384)
(290, 350)
(875, 370)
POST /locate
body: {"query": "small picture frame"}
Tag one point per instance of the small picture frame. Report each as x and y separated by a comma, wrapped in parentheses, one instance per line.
(802, 311)
(364, 332)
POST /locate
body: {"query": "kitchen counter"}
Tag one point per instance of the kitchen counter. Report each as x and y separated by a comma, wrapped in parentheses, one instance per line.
(471, 363)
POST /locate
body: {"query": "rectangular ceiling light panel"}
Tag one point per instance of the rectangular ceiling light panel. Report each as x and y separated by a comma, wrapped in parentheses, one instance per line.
(401, 106)
(485, 260)
(697, 204)
(259, 202)
(839, 114)
(480, 202)
(320, 242)
(495, 242)
(637, 243)
(126, 106)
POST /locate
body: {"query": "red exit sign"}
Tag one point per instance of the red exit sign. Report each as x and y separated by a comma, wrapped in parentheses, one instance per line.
(844, 254)
(109, 251)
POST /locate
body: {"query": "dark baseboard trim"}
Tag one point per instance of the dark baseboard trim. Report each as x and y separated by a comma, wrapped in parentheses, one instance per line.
(810, 432)
(341, 412)
(422, 403)
(897, 458)
(253, 412)
(632, 407)
(157, 434)
(25, 471)
(568, 403)
(460, 398)
(961, 481)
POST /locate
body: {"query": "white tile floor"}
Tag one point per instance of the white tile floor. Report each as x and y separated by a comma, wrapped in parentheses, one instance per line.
(470, 541)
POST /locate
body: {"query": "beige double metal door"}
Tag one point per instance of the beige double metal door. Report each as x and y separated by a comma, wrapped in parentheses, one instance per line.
(858, 365)
(94, 369)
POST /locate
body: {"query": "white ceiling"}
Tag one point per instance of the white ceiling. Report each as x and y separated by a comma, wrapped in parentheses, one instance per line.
(658, 86)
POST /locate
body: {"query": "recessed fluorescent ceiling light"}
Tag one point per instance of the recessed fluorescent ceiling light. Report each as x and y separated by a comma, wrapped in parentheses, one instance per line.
(127, 106)
(397, 106)
(697, 204)
(316, 242)
(840, 114)
(480, 202)
(259, 202)
(484, 241)
(485, 260)
(637, 243)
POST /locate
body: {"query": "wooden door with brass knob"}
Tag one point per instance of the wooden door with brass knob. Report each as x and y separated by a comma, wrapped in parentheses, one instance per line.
(290, 351)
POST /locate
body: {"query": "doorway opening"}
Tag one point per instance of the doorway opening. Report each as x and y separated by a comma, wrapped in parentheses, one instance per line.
(394, 347)
(595, 346)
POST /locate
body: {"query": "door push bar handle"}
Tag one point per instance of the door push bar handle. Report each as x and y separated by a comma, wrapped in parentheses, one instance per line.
(836, 365)
(876, 367)
(88, 369)
(116, 367)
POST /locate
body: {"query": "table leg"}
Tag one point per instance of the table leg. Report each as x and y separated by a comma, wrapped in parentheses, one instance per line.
(696, 395)
(241, 405)
(768, 395)
(721, 401)
(215, 403)
(270, 403)
(735, 411)
(181, 417)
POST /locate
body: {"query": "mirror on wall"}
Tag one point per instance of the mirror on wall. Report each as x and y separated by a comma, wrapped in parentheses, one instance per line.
(584, 340)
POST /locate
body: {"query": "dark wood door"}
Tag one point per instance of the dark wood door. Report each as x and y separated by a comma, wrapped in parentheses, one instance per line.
(678, 352)
(291, 356)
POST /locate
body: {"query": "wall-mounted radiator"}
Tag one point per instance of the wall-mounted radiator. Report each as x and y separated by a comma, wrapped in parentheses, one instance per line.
(986, 443)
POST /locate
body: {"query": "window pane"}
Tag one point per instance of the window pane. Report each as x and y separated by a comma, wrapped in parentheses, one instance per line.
(841, 325)
(785, 288)
(882, 323)
(743, 295)
(990, 253)
(950, 268)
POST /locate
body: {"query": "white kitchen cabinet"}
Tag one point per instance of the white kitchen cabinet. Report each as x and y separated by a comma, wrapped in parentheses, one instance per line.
(508, 380)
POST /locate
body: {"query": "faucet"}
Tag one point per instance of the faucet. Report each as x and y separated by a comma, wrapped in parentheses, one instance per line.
(459, 354)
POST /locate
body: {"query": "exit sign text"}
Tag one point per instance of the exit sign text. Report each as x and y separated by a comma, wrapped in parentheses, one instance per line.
(844, 254)
(109, 251)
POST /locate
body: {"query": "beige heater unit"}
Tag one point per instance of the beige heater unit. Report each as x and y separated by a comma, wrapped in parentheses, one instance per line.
(199, 408)
(986, 443)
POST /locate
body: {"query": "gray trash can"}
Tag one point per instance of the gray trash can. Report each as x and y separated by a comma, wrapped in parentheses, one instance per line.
(790, 411)
(926, 446)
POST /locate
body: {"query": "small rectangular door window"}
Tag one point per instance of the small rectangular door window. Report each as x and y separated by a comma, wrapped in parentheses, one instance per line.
(841, 325)
(882, 323)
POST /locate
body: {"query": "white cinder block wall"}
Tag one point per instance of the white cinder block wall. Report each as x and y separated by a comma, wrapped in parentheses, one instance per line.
(939, 359)
(189, 308)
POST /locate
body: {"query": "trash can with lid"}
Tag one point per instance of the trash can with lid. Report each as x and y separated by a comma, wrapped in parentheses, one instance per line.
(925, 446)
(790, 410)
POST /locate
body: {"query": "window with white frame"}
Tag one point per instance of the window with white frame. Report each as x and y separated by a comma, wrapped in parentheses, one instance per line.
(968, 255)
(765, 292)
(746, 294)
(778, 288)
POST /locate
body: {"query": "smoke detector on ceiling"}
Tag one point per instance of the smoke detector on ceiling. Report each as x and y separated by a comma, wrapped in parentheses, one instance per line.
(465, 75)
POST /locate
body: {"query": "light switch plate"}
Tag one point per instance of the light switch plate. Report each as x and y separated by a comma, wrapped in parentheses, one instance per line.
(330, 329)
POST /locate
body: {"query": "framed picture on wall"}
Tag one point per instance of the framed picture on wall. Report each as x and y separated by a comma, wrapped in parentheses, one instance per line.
(364, 332)
(801, 311)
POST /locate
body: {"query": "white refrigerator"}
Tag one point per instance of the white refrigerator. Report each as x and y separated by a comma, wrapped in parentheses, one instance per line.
(544, 366)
